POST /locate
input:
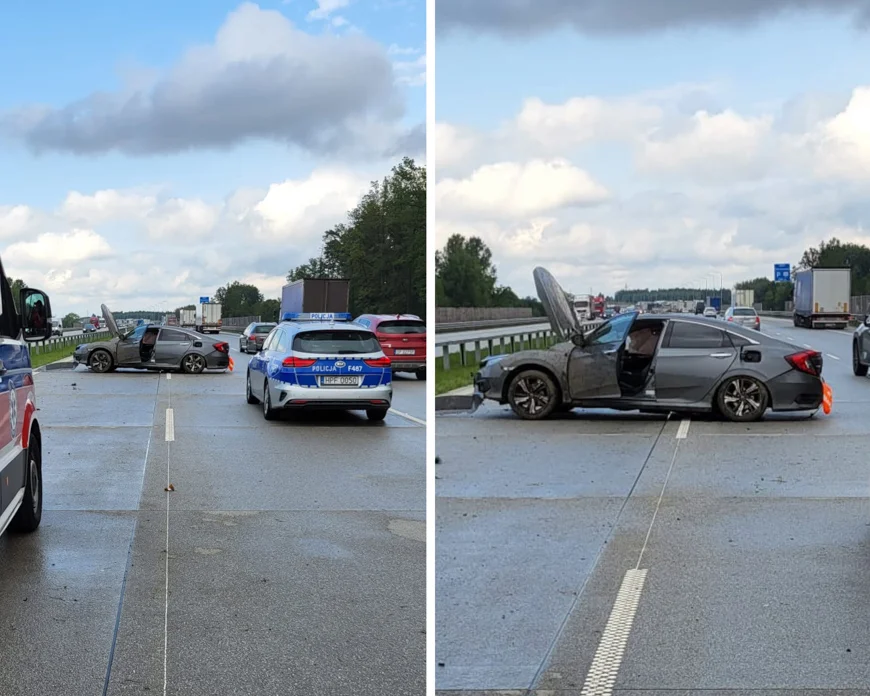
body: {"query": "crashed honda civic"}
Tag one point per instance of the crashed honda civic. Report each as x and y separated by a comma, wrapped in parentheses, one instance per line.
(651, 363)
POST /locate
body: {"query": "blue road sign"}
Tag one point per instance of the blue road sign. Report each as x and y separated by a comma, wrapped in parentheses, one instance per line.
(203, 300)
(781, 272)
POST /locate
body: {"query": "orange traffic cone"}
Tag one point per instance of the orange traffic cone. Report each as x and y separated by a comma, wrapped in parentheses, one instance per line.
(827, 398)
(232, 364)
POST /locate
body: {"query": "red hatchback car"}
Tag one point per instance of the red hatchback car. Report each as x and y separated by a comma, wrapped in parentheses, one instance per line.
(403, 338)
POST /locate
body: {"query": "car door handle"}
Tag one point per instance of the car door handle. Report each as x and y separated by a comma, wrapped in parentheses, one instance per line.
(721, 355)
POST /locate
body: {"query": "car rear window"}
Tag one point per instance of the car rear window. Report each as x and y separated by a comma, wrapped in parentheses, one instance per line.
(263, 328)
(744, 312)
(402, 326)
(336, 342)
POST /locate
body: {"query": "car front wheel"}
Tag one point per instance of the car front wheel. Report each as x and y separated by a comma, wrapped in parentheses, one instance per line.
(29, 515)
(859, 369)
(533, 395)
(742, 399)
(100, 361)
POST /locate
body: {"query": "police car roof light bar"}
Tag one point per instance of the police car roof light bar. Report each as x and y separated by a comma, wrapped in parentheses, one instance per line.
(316, 316)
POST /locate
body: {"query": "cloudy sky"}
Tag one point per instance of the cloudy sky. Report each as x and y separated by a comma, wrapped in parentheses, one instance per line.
(652, 144)
(152, 152)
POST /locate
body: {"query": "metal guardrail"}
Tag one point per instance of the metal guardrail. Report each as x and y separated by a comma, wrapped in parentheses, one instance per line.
(510, 341)
(55, 342)
(487, 323)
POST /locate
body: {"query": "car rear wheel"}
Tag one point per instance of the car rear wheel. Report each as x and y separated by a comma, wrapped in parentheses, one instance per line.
(421, 373)
(859, 369)
(193, 364)
(742, 399)
(533, 395)
(29, 515)
(376, 414)
(100, 361)
(248, 393)
(269, 413)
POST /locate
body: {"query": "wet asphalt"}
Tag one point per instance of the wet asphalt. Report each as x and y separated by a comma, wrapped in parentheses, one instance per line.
(296, 549)
(755, 540)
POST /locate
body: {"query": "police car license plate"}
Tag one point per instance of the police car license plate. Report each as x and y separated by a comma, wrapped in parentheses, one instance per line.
(405, 352)
(339, 381)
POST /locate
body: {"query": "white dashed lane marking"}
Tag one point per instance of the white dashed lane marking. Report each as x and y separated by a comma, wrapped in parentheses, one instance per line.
(832, 356)
(170, 425)
(408, 416)
(683, 430)
(608, 657)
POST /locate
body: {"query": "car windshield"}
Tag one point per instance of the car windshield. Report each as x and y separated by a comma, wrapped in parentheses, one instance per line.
(613, 331)
(744, 312)
(402, 326)
(336, 342)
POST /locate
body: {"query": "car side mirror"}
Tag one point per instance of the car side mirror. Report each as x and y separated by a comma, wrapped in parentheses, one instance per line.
(578, 340)
(867, 320)
(35, 314)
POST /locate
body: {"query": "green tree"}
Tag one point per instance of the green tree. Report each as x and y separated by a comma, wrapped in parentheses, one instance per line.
(17, 286)
(269, 310)
(467, 273)
(239, 299)
(381, 248)
(70, 320)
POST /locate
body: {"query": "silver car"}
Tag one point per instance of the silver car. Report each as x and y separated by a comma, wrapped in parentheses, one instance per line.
(153, 347)
(251, 340)
(744, 316)
(656, 363)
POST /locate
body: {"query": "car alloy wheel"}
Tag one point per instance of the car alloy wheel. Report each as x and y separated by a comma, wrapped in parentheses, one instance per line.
(193, 364)
(533, 395)
(743, 399)
(100, 361)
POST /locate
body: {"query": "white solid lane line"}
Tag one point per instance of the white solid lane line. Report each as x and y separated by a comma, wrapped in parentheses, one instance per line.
(608, 657)
(408, 416)
(832, 356)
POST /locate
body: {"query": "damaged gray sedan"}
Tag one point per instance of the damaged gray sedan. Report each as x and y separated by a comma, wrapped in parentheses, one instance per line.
(153, 347)
(651, 363)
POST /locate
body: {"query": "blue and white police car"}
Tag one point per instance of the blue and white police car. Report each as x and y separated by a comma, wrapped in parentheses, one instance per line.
(320, 361)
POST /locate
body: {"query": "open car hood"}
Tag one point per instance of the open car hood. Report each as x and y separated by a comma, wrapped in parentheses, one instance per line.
(559, 311)
(110, 321)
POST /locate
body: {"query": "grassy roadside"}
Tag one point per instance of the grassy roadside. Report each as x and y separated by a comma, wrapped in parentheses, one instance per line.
(45, 357)
(459, 375)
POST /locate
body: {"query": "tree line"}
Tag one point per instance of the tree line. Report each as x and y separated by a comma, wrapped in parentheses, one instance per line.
(465, 276)
(381, 248)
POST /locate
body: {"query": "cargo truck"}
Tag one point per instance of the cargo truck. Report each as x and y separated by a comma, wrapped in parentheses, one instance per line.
(742, 297)
(583, 307)
(822, 297)
(187, 318)
(210, 318)
(315, 295)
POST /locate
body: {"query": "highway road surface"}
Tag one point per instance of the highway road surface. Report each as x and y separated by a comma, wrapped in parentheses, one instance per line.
(647, 555)
(290, 558)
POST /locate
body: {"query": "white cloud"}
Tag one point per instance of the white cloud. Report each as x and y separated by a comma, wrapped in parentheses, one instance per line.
(140, 250)
(694, 189)
(325, 8)
(512, 189)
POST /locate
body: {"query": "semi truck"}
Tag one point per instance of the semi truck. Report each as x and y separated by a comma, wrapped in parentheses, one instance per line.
(210, 320)
(583, 307)
(822, 297)
(187, 318)
(742, 297)
(315, 295)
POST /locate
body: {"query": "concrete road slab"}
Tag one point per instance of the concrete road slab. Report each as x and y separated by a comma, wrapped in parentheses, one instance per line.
(60, 589)
(508, 571)
(762, 467)
(93, 468)
(759, 594)
(275, 602)
(83, 382)
(217, 468)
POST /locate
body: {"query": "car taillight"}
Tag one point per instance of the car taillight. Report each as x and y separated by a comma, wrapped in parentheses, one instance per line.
(222, 347)
(757, 320)
(730, 318)
(299, 362)
(378, 362)
(808, 361)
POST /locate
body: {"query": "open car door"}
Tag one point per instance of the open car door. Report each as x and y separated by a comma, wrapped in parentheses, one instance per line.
(593, 368)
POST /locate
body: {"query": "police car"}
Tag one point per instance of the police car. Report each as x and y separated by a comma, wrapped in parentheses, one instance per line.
(20, 433)
(320, 361)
